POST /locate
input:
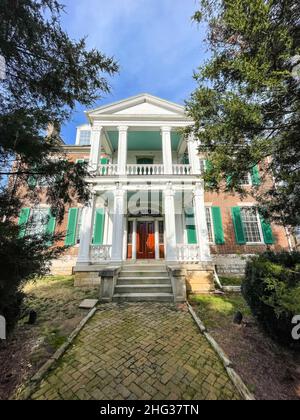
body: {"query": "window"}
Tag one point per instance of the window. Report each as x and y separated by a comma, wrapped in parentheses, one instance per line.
(85, 138)
(37, 222)
(251, 224)
(209, 224)
(78, 226)
(246, 179)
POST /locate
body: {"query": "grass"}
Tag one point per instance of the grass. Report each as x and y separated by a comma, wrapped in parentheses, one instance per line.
(248, 347)
(231, 281)
(217, 311)
(56, 301)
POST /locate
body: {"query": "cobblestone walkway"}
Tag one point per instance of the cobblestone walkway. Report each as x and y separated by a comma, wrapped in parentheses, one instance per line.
(138, 351)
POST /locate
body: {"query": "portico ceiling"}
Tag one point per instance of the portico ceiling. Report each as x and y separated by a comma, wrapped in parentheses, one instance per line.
(144, 140)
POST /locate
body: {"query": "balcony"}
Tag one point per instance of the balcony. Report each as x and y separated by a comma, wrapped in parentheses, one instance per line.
(144, 170)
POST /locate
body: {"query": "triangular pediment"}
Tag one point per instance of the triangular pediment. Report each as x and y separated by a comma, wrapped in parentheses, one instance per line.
(140, 105)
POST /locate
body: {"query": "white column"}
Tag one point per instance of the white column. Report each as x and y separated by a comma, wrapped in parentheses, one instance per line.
(134, 239)
(167, 149)
(156, 240)
(193, 155)
(86, 232)
(118, 224)
(170, 226)
(122, 150)
(200, 222)
(95, 152)
(125, 236)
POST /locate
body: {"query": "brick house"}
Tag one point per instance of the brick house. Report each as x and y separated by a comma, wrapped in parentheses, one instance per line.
(149, 211)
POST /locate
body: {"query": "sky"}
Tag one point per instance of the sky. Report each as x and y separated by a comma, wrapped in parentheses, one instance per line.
(155, 43)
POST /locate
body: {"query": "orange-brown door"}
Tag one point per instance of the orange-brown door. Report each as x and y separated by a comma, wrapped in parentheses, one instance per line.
(145, 241)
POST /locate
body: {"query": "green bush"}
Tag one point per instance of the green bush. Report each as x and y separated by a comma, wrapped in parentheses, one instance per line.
(272, 290)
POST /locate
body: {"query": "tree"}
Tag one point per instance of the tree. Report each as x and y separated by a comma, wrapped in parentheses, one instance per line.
(246, 106)
(45, 75)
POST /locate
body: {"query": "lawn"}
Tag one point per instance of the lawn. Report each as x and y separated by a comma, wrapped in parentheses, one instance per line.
(231, 281)
(56, 302)
(270, 371)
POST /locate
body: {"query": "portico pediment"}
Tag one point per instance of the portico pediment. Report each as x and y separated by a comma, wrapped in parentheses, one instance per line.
(143, 105)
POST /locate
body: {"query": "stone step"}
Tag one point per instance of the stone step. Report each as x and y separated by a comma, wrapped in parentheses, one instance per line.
(144, 273)
(147, 267)
(143, 288)
(143, 297)
(143, 277)
(143, 280)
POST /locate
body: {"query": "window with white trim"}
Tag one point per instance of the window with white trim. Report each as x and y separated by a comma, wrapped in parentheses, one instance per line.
(251, 224)
(84, 137)
(245, 179)
(37, 223)
(209, 223)
(78, 226)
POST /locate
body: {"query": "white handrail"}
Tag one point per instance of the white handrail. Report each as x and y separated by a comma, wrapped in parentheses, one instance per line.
(188, 253)
(147, 169)
(108, 169)
(182, 169)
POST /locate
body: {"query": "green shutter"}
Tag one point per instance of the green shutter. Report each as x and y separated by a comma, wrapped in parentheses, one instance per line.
(238, 225)
(190, 227)
(99, 227)
(104, 161)
(228, 180)
(267, 231)
(50, 227)
(208, 168)
(70, 239)
(255, 175)
(218, 226)
(23, 219)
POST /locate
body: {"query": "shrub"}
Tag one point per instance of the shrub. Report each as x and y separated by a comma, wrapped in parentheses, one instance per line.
(272, 290)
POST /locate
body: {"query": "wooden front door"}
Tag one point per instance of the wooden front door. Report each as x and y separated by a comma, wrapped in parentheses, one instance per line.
(145, 240)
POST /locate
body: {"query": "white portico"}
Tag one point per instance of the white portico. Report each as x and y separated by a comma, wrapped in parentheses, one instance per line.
(147, 193)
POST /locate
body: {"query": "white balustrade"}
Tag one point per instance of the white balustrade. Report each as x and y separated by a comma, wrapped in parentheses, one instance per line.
(150, 169)
(182, 169)
(108, 169)
(144, 170)
(188, 253)
(100, 253)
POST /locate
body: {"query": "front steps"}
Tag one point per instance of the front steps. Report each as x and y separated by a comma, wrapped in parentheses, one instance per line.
(141, 283)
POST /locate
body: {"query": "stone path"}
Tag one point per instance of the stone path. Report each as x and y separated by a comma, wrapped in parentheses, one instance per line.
(138, 351)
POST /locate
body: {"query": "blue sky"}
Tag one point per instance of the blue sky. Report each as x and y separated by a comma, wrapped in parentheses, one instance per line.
(154, 41)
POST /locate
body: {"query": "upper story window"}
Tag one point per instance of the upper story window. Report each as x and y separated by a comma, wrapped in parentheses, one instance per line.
(84, 137)
(246, 179)
(37, 222)
(251, 224)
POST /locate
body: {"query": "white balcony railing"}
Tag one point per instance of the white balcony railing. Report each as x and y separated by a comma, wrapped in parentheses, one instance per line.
(153, 169)
(144, 170)
(100, 253)
(106, 170)
(188, 253)
(181, 169)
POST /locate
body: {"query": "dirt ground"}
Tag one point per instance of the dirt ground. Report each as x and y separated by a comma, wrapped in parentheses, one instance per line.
(270, 371)
(56, 302)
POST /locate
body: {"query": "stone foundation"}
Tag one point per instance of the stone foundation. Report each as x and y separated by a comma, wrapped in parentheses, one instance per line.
(63, 266)
(232, 265)
(199, 279)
